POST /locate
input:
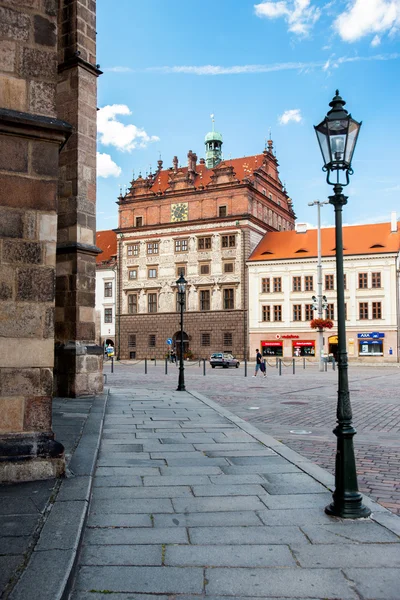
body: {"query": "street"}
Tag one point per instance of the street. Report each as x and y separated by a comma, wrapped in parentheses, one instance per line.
(299, 410)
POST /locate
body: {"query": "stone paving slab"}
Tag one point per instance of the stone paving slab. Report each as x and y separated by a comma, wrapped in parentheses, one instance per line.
(229, 556)
(118, 493)
(112, 520)
(221, 503)
(132, 535)
(247, 535)
(331, 556)
(339, 533)
(375, 583)
(122, 555)
(158, 505)
(207, 519)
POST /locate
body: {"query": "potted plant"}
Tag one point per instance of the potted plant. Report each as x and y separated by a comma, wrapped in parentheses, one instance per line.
(321, 324)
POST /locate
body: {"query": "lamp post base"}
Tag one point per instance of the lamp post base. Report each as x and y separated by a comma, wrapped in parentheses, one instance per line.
(349, 507)
(181, 388)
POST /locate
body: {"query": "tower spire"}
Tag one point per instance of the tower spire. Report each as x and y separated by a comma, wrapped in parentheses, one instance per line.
(213, 142)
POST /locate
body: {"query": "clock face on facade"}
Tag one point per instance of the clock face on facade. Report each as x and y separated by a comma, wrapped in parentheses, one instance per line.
(179, 212)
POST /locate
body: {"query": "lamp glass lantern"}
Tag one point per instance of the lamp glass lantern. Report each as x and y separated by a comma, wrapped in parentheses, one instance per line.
(337, 137)
(181, 285)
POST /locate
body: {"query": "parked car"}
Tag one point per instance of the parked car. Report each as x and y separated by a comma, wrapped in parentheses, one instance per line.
(224, 360)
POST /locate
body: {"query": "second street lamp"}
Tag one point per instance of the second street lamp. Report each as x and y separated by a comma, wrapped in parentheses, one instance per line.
(181, 285)
(337, 136)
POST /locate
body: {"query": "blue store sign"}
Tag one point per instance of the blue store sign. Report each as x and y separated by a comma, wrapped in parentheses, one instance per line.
(375, 335)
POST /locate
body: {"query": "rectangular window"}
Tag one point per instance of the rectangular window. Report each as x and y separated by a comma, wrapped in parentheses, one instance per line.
(222, 211)
(108, 316)
(363, 310)
(133, 273)
(345, 281)
(152, 247)
(204, 243)
(309, 313)
(277, 284)
(129, 250)
(181, 245)
(308, 283)
(229, 241)
(152, 303)
(205, 339)
(132, 340)
(329, 284)
(362, 281)
(296, 312)
(204, 299)
(152, 340)
(277, 312)
(204, 268)
(180, 270)
(228, 339)
(132, 304)
(108, 289)
(178, 303)
(377, 310)
(229, 267)
(266, 313)
(297, 284)
(376, 280)
(330, 312)
(139, 221)
(229, 303)
(152, 273)
(265, 285)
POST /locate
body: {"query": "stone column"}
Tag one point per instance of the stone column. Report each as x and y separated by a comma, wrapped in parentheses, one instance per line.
(30, 140)
(79, 360)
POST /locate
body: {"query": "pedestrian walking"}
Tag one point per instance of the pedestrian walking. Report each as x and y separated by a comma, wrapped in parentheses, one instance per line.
(260, 366)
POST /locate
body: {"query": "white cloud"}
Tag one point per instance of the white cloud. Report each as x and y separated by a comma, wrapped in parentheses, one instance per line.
(114, 133)
(299, 14)
(106, 167)
(367, 17)
(290, 115)
(118, 69)
(376, 40)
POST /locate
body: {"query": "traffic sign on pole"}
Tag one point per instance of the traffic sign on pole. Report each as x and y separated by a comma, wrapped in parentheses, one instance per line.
(169, 341)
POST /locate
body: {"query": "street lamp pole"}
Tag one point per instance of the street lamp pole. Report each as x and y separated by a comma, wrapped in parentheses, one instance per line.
(119, 292)
(181, 285)
(318, 204)
(337, 136)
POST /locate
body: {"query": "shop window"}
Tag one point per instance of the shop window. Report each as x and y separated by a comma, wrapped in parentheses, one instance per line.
(370, 347)
(303, 348)
(222, 211)
(296, 284)
(363, 310)
(152, 303)
(204, 300)
(330, 312)
(277, 312)
(132, 340)
(309, 312)
(204, 268)
(329, 282)
(265, 285)
(139, 221)
(229, 241)
(277, 284)
(228, 339)
(229, 267)
(204, 243)
(178, 303)
(181, 245)
(266, 313)
(152, 340)
(180, 270)
(376, 280)
(205, 339)
(271, 348)
(132, 304)
(152, 247)
(108, 315)
(377, 310)
(362, 281)
(296, 312)
(108, 292)
(228, 296)
(308, 283)
(133, 273)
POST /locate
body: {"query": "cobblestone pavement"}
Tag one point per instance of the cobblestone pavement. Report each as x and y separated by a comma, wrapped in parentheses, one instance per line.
(305, 403)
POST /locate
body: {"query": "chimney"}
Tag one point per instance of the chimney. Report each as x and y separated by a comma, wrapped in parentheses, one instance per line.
(301, 227)
(393, 224)
(175, 163)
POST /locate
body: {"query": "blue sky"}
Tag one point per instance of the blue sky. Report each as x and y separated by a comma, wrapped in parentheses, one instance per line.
(257, 66)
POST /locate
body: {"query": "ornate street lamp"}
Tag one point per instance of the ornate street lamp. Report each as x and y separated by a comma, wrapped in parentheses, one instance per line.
(181, 285)
(337, 136)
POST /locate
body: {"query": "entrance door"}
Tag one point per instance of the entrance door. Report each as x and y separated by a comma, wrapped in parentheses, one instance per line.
(333, 346)
(177, 343)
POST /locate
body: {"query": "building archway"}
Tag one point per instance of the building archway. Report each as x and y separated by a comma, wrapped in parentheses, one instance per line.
(177, 343)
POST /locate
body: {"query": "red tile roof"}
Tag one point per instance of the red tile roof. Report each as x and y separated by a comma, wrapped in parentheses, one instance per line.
(357, 239)
(106, 241)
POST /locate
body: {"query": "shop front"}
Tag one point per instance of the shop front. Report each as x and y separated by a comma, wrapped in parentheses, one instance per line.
(371, 344)
(272, 348)
(303, 348)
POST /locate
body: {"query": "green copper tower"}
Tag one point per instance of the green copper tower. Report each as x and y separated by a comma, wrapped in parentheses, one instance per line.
(213, 142)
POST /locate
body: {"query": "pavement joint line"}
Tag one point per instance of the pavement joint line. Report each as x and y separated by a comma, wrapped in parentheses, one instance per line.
(307, 466)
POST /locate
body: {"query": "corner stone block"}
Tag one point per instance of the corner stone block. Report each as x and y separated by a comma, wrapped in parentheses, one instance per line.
(42, 98)
(13, 154)
(22, 252)
(12, 92)
(36, 285)
(19, 382)
(38, 414)
(12, 414)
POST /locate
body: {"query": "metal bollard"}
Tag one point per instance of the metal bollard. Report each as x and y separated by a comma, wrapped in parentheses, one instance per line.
(280, 366)
(276, 361)
(166, 366)
(265, 367)
(333, 364)
(155, 361)
(326, 366)
(245, 367)
(112, 364)
(304, 362)
(204, 366)
(294, 366)
(145, 366)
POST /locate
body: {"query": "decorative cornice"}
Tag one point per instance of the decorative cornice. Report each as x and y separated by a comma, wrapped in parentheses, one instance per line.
(13, 122)
(77, 61)
(78, 248)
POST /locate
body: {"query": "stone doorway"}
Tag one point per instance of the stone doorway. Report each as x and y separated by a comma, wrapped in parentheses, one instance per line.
(177, 343)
